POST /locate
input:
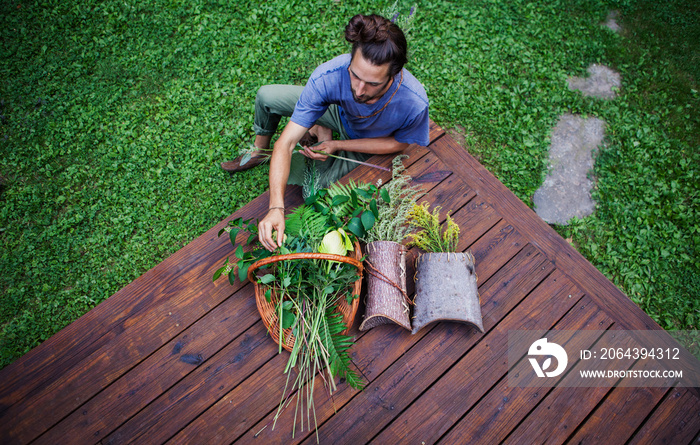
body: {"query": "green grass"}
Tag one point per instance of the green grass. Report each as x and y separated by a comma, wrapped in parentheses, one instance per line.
(645, 234)
(115, 114)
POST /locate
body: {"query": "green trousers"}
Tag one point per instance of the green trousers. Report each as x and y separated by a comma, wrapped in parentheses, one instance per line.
(274, 101)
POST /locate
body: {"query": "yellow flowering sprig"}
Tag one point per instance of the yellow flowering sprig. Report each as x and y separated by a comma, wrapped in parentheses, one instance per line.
(431, 238)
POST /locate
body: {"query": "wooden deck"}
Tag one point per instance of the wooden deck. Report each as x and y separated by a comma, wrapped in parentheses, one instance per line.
(175, 358)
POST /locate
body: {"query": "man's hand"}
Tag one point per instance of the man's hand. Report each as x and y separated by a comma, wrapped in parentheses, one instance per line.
(323, 147)
(274, 220)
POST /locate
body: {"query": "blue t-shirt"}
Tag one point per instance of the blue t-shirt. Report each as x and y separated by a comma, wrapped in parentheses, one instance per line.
(405, 118)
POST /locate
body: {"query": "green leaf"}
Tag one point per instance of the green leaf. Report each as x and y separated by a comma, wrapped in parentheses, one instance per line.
(364, 194)
(367, 220)
(340, 199)
(337, 346)
(232, 278)
(232, 235)
(218, 273)
(239, 252)
(243, 271)
(350, 297)
(288, 319)
(251, 238)
(311, 199)
(385, 196)
(266, 279)
(268, 294)
(373, 208)
(355, 226)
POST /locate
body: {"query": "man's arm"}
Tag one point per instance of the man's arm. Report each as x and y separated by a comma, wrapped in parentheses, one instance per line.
(373, 146)
(279, 174)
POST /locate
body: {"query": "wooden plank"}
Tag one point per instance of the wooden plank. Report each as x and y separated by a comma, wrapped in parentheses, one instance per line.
(621, 413)
(413, 151)
(566, 406)
(436, 132)
(374, 175)
(429, 172)
(211, 381)
(583, 273)
(503, 408)
(142, 385)
(676, 420)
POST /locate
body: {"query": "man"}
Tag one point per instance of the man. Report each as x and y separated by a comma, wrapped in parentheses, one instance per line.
(367, 97)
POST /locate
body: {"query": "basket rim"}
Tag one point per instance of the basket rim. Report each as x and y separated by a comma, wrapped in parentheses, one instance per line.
(301, 256)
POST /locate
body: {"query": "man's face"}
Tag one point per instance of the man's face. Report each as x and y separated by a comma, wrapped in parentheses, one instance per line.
(368, 82)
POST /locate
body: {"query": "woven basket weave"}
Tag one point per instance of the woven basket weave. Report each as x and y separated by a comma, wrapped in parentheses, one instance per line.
(267, 308)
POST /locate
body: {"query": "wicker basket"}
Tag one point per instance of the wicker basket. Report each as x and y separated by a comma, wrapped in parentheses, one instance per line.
(267, 308)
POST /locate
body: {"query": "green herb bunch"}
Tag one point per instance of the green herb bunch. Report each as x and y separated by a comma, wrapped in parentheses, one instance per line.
(431, 238)
(392, 223)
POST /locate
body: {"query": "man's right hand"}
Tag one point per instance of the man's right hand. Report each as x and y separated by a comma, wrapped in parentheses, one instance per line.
(274, 220)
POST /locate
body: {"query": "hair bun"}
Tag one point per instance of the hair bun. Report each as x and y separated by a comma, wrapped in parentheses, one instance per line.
(366, 29)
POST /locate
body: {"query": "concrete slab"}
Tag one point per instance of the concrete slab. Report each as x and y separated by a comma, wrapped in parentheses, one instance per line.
(611, 22)
(566, 191)
(602, 82)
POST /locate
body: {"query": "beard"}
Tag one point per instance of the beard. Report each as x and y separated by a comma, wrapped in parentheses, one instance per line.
(362, 99)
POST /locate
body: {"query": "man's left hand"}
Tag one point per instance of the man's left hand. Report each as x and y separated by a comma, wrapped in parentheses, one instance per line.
(323, 147)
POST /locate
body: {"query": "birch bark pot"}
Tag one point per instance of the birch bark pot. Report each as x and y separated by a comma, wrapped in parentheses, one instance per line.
(386, 285)
(446, 290)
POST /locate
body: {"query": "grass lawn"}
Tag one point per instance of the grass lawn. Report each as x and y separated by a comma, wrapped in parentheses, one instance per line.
(114, 116)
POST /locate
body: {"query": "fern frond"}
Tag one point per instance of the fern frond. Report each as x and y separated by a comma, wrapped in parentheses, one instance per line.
(295, 221)
(337, 346)
(345, 209)
(304, 222)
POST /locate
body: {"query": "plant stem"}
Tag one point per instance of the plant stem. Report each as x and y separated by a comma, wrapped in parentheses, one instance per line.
(348, 159)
